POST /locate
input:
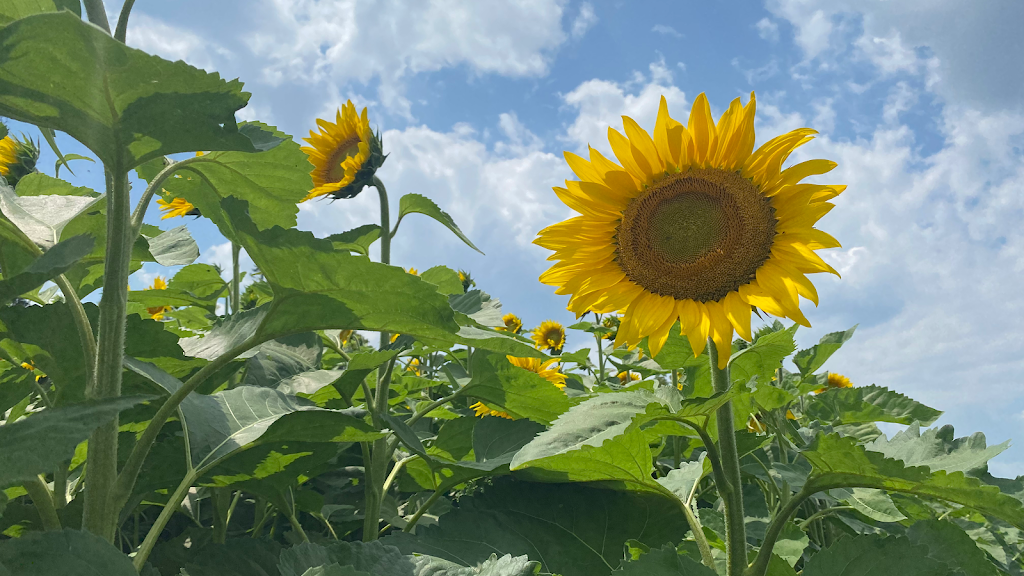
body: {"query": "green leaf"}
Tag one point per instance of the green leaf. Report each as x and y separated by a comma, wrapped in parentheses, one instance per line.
(174, 247)
(497, 440)
(12, 10)
(371, 557)
(446, 279)
(59, 72)
(62, 553)
(869, 404)
(272, 182)
(516, 390)
(676, 353)
(947, 543)
(571, 529)
(479, 306)
(877, 555)
(416, 203)
(42, 218)
(937, 449)
(664, 561)
(842, 463)
(406, 434)
(874, 504)
(807, 361)
(236, 557)
(39, 184)
(228, 333)
(39, 443)
(791, 543)
(51, 264)
(681, 481)
(283, 358)
(763, 357)
(200, 280)
(334, 570)
(65, 159)
(357, 240)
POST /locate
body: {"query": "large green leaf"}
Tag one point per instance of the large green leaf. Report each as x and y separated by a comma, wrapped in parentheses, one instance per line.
(51, 264)
(446, 279)
(868, 404)
(372, 557)
(123, 104)
(283, 358)
(681, 481)
(948, 543)
(42, 218)
(416, 203)
(235, 557)
(874, 504)
(516, 390)
(876, 555)
(841, 463)
(174, 247)
(807, 361)
(39, 184)
(14, 9)
(664, 561)
(41, 442)
(62, 553)
(271, 181)
(937, 449)
(46, 336)
(571, 529)
(763, 357)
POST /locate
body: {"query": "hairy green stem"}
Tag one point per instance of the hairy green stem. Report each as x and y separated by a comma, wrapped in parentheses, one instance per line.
(822, 513)
(60, 486)
(173, 503)
(732, 494)
(600, 353)
(97, 14)
(121, 31)
(698, 536)
(147, 195)
(126, 480)
(99, 515)
(771, 535)
(42, 498)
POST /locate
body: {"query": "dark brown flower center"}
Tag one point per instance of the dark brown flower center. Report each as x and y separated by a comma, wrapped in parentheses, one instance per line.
(697, 235)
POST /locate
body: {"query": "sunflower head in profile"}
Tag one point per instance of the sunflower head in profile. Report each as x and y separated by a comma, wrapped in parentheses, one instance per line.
(467, 280)
(513, 324)
(542, 367)
(627, 377)
(835, 381)
(550, 335)
(157, 312)
(17, 158)
(176, 207)
(345, 154)
(480, 410)
(414, 367)
(691, 225)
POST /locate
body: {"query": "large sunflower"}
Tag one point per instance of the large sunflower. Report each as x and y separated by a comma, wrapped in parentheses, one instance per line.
(693, 225)
(345, 154)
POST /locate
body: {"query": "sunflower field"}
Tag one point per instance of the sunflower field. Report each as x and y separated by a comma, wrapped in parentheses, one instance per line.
(341, 416)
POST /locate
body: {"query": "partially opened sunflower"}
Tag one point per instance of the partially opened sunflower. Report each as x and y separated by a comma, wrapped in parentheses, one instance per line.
(345, 154)
(692, 224)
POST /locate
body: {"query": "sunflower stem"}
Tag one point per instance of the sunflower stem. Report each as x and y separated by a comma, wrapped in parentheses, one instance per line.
(99, 515)
(732, 495)
(236, 278)
(600, 353)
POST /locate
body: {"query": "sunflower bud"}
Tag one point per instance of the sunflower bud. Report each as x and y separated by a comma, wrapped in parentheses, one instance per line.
(17, 159)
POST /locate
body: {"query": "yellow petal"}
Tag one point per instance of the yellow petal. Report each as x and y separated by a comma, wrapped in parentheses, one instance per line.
(694, 320)
(658, 338)
(701, 127)
(643, 145)
(721, 333)
(624, 153)
(738, 313)
(668, 136)
(582, 168)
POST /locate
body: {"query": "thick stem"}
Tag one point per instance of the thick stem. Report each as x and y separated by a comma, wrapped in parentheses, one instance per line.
(122, 21)
(161, 521)
(43, 501)
(370, 494)
(698, 536)
(732, 494)
(132, 467)
(97, 14)
(380, 455)
(99, 515)
(60, 487)
(236, 278)
(221, 502)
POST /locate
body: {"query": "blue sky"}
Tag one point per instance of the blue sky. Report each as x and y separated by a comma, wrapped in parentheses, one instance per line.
(921, 103)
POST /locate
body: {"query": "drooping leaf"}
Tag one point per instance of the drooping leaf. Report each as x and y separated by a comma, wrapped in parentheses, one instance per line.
(947, 542)
(271, 182)
(516, 390)
(876, 555)
(874, 504)
(937, 449)
(42, 218)
(479, 306)
(446, 279)
(416, 203)
(51, 264)
(174, 247)
(681, 481)
(283, 358)
(200, 280)
(841, 463)
(227, 334)
(869, 404)
(497, 440)
(43, 441)
(357, 240)
(664, 561)
(39, 184)
(571, 529)
(62, 553)
(123, 104)
(807, 361)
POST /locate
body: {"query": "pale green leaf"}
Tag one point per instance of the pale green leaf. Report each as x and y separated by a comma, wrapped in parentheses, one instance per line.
(174, 247)
(416, 203)
(937, 449)
(874, 504)
(42, 218)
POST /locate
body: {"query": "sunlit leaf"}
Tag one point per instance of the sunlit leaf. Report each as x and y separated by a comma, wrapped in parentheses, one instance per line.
(174, 247)
(516, 390)
(869, 404)
(416, 203)
(937, 449)
(42, 218)
(807, 361)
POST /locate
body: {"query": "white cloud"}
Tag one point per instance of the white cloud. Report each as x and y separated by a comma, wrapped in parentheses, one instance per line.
(767, 30)
(757, 75)
(824, 115)
(971, 56)
(167, 41)
(901, 98)
(584, 20)
(344, 41)
(666, 30)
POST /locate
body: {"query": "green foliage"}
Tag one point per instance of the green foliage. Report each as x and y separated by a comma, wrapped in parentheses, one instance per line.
(51, 264)
(869, 404)
(62, 553)
(418, 204)
(664, 561)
